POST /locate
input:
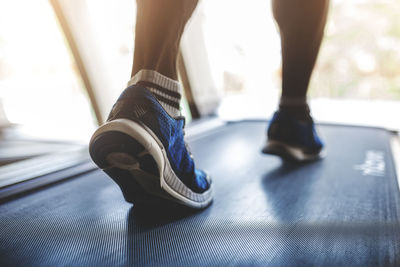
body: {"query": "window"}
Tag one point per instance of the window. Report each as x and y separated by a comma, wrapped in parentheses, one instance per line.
(40, 87)
(356, 79)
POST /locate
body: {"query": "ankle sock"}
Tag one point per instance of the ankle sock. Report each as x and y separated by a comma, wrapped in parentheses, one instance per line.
(295, 106)
(166, 90)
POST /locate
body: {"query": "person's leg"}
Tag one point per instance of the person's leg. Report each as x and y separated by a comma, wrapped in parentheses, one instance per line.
(301, 25)
(159, 27)
(291, 132)
(142, 144)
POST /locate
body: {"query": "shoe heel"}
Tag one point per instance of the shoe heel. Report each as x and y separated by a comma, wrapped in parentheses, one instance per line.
(125, 160)
(113, 142)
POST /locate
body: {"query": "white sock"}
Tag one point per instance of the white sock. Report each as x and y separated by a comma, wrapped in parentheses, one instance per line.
(166, 90)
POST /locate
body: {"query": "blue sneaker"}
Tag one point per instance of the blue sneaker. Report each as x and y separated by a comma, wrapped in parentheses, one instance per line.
(141, 147)
(293, 139)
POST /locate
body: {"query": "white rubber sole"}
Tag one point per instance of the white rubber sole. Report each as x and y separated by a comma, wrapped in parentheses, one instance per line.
(169, 183)
(281, 149)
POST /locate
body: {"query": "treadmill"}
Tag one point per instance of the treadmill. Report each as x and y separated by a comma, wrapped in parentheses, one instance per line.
(341, 210)
(58, 209)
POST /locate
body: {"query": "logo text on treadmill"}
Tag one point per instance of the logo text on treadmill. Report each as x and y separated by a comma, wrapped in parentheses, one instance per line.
(374, 163)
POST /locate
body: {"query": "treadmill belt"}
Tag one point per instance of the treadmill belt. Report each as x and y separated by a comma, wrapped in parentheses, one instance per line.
(342, 210)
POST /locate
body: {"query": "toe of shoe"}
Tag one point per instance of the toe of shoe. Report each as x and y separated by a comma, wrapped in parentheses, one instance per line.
(202, 180)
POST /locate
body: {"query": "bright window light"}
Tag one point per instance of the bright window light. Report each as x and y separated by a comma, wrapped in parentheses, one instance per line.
(40, 87)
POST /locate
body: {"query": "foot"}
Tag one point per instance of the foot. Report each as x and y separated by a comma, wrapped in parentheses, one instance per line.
(293, 139)
(142, 148)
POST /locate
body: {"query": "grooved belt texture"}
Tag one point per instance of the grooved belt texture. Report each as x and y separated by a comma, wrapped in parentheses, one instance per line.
(265, 212)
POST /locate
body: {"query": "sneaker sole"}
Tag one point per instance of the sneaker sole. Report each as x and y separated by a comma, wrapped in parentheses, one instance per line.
(289, 152)
(132, 155)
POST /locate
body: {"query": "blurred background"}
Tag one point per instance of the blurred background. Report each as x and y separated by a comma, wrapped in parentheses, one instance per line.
(52, 51)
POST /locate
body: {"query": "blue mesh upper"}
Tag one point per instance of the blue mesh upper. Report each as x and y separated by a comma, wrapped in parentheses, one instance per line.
(137, 103)
(285, 128)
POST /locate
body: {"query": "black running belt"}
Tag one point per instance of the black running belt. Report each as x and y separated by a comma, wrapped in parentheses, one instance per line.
(342, 210)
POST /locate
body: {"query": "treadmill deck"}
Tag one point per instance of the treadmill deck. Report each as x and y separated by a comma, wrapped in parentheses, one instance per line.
(344, 209)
